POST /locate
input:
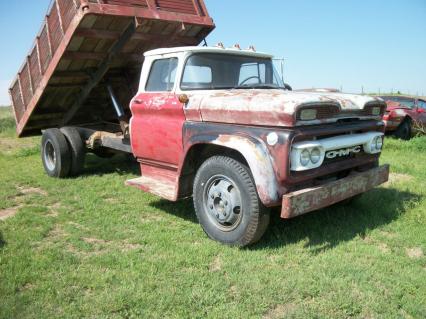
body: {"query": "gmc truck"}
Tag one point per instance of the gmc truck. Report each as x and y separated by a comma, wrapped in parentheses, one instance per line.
(210, 123)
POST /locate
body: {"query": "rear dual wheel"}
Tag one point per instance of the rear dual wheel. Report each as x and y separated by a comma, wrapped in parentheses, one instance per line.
(62, 152)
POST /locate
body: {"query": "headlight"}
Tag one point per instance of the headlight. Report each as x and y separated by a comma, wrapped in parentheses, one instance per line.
(308, 114)
(376, 110)
(305, 157)
(315, 155)
(378, 143)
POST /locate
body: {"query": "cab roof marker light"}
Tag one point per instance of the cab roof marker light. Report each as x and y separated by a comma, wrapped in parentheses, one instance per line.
(220, 45)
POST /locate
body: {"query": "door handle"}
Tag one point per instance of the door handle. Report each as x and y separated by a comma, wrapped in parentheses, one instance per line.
(137, 101)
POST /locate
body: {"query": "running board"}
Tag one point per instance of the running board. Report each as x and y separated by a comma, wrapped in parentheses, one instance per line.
(157, 181)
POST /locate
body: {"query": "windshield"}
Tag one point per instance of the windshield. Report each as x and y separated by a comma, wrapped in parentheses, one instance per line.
(406, 102)
(211, 71)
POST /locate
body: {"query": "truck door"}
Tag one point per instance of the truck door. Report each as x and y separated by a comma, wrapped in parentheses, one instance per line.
(157, 116)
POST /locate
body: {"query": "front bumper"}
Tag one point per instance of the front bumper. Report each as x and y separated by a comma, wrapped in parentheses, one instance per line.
(310, 199)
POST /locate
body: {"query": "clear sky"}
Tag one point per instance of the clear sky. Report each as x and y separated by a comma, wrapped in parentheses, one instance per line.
(377, 44)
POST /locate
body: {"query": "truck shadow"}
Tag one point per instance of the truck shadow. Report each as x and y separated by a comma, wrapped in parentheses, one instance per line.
(323, 229)
(326, 228)
(121, 164)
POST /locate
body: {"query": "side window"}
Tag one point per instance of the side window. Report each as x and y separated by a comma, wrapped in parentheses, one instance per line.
(252, 73)
(422, 104)
(162, 75)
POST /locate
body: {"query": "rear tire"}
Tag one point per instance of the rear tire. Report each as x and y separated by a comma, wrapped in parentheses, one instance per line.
(226, 202)
(404, 130)
(55, 153)
(78, 151)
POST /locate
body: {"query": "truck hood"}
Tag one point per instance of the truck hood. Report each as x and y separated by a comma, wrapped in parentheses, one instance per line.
(271, 106)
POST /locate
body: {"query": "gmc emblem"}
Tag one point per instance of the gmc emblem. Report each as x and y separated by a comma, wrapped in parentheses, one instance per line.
(343, 152)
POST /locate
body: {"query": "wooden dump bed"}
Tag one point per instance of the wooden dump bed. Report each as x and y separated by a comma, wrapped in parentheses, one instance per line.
(83, 45)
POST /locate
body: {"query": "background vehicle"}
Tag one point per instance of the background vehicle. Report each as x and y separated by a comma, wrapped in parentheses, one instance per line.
(404, 116)
(212, 123)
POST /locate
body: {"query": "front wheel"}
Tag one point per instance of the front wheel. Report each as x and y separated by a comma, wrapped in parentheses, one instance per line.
(404, 130)
(226, 202)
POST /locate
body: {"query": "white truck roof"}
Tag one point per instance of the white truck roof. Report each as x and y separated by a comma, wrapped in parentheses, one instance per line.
(194, 49)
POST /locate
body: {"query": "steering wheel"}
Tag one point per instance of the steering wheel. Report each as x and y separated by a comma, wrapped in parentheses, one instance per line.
(249, 78)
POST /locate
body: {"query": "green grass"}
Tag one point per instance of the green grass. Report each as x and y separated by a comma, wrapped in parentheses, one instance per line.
(91, 247)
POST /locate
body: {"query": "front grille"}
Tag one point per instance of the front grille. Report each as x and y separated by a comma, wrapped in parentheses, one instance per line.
(343, 157)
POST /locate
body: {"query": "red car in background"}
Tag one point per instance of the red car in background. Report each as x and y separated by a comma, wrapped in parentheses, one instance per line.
(405, 116)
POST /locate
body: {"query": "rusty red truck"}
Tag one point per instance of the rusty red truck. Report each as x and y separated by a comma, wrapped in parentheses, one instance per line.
(210, 123)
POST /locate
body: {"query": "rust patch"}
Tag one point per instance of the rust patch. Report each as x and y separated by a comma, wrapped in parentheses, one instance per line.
(415, 252)
(310, 199)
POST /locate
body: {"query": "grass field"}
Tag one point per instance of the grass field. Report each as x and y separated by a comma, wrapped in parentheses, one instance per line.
(91, 247)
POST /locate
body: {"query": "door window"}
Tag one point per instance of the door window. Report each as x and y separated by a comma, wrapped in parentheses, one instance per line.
(162, 76)
(422, 104)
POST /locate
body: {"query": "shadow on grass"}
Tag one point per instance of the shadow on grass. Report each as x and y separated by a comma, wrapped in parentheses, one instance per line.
(122, 164)
(325, 228)
(183, 209)
(328, 227)
(2, 241)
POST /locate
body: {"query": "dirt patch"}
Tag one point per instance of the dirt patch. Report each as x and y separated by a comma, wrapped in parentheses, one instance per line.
(384, 248)
(122, 245)
(151, 218)
(397, 177)
(8, 212)
(56, 232)
(31, 190)
(415, 252)
(11, 145)
(129, 246)
(111, 200)
(27, 286)
(388, 234)
(216, 264)
(91, 240)
(234, 291)
(53, 210)
(77, 225)
(280, 311)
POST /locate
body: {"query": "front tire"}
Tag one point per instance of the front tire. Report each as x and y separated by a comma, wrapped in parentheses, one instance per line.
(55, 153)
(404, 130)
(226, 202)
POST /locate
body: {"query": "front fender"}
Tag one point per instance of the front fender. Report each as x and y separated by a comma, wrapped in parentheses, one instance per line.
(254, 152)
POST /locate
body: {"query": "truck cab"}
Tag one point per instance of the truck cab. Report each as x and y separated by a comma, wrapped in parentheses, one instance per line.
(218, 125)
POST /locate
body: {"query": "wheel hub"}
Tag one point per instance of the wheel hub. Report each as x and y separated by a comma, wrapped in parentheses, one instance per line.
(223, 202)
(49, 156)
